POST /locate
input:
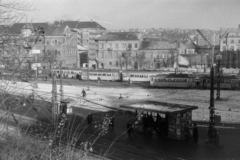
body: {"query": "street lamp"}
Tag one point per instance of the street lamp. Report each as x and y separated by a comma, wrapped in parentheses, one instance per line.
(219, 72)
(211, 128)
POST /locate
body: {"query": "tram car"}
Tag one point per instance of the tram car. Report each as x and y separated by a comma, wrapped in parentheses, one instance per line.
(227, 81)
(138, 76)
(173, 80)
(106, 75)
(68, 73)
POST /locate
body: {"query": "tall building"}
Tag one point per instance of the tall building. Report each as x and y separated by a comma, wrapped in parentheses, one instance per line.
(88, 32)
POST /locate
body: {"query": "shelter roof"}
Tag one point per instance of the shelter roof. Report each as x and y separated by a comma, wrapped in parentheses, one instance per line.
(119, 36)
(159, 107)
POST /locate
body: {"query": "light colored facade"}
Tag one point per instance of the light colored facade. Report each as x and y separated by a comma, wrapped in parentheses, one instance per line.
(112, 45)
(230, 40)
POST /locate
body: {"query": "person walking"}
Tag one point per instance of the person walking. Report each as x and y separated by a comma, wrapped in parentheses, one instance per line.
(84, 93)
(195, 134)
(89, 118)
(129, 128)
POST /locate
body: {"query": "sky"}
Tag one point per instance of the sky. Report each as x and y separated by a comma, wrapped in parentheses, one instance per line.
(126, 14)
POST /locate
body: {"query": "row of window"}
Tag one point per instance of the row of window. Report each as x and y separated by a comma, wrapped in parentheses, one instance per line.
(231, 48)
(138, 76)
(172, 80)
(116, 46)
(232, 41)
(102, 74)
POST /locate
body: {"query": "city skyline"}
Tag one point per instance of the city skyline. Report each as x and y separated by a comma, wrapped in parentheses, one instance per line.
(126, 14)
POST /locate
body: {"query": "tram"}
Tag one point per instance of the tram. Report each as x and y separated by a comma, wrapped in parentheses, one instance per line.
(201, 81)
(227, 81)
(173, 81)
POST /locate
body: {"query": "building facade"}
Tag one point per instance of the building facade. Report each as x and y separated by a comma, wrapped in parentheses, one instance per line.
(115, 49)
(158, 53)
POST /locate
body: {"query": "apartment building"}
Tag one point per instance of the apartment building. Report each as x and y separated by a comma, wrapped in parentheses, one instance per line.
(112, 45)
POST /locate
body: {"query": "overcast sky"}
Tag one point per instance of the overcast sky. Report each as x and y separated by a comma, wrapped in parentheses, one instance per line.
(125, 14)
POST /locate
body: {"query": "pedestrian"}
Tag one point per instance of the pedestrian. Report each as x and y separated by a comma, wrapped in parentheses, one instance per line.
(84, 93)
(120, 97)
(89, 118)
(195, 134)
(129, 128)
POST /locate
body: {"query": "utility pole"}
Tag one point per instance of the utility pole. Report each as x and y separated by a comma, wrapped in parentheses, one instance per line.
(54, 98)
(88, 71)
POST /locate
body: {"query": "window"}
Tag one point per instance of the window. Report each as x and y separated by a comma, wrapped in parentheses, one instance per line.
(239, 41)
(110, 63)
(116, 46)
(136, 45)
(101, 46)
(224, 41)
(117, 64)
(136, 75)
(129, 45)
(124, 45)
(166, 80)
(56, 42)
(131, 75)
(232, 48)
(109, 74)
(224, 48)
(232, 41)
(104, 74)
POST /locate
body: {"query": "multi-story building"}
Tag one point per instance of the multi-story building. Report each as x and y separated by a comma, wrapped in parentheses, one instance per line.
(230, 39)
(159, 53)
(87, 31)
(112, 46)
(212, 37)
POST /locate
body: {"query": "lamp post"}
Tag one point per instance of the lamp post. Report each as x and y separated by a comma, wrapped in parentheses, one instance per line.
(211, 128)
(219, 59)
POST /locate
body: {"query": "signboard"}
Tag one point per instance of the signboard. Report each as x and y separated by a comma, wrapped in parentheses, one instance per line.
(35, 66)
(35, 51)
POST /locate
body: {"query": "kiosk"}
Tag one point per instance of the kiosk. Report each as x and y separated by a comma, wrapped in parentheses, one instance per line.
(66, 106)
(176, 118)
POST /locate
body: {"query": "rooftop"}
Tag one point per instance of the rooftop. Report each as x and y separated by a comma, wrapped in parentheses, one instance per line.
(159, 107)
(156, 44)
(119, 36)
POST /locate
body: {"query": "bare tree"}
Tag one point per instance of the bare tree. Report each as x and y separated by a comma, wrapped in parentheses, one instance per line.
(125, 59)
(140, 60)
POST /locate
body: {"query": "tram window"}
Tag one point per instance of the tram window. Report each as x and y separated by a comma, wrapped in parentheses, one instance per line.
(94, 74)
(131, 75)
(141, 76)
(104, 74)
(136, 75)
(90, 74)
(109, 74)
(145, 76)
(99, 74)
(178, 80)
(172, 80)
(228, 81)
(72, 72)
(160, 80)
(184, 80)
(166, 80)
